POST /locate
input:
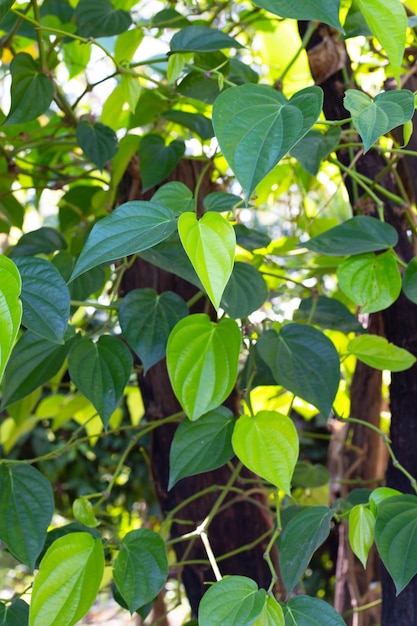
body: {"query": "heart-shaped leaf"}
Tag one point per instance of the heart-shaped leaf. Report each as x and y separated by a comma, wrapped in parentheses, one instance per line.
(245, 292)
(327, 313)
(158, 160)
(361, 531)
(232, 600)
(10, 308)
(99, 18)
(377, 352)
(31, 92)
(201, 39)
(372, 119)
(326, 11)
(98, 142)
(314, 147)
(202, 361)
(268, 445)
(257, 126)
(210, 244)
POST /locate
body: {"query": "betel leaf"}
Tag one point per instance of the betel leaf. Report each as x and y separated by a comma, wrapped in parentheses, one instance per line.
(10, 308)
(196, 122)
(301, 537)
(26, 509)
(372, 281)
(68, 580)
(83, 512)
(175, 196)
(372, 119)
(380, 494)
(210, 244)
(14, 614)
(202, 87)
(141, 567)
(410, 280)
(232, 600)
(31, 91)
(256, 126)
(327, 11)
(131, 228)
(361, 531)
(221, 201)
(272, 614)
(314, 147)
(97, 141)
(304, 610)
(377, 352)
(387, 20)
(201, 446)
(201, 39)
(158, 160)
(310, 476)
(5, 6)
(245, 292)
(327, 313)
(101, 370)
(169, 255)
(202, 361)
(45, 297)
(44, 240)
(146, 320)
(99, 18)
(304, 361)
(396, 538)
(268, 445)
(355, 236)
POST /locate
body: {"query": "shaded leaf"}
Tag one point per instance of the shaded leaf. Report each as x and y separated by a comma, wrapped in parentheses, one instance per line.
(98, 142)
(410, 280)
(199, 86)
(99, 18)
(314, 147)
(201, 39)
(31, 91)
(198, 123)
(310, 476)
(10, 309)
(327, 313)
(245, 292)
(377, 352)
(175, 196)
(5, 6)
(221, 202)
(158, 160)
(232, 600)
(41, 241)
(306, 611)
(326, 11)
(14, 614)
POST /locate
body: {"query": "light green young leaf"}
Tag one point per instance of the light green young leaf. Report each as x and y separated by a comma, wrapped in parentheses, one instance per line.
(372, 119)
(68, 580)
(387, 20)
(83, 511)
(256, 126)
(371, 281)
(10, 308)
(272, 614)
(131, 89)
(361, 531)
(31, 92)
(232, 600)
(377, 352)
(202, 361)
(210, 244)
(326, 11)
(268, 445)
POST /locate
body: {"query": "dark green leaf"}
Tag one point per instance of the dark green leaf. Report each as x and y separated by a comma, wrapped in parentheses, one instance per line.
(304, 361)
(169, 18)
(201, 446)
(301, 537)
(222, 202)
(315, 147)
(309, 476)
(198, 123)
(5, 6)
(410, 280)
(131, 228)
(158, 160)
(99, 18)
(306, 611)
(26, 509)
(45, 298)
(169, 255)
(41, 241)
(101, 370)
(98, 142)
(12, 211)
(396, 537)
(199, 86)
(241, 73)
(326, 11)
(245, 292)
(251, 239)
(14, 614)
(141, 567)
(31, 92)
(357, 235)
(327, 313)
(201, 39)
(147, 319)
(234, 600)
(175, 196)
(355, 24)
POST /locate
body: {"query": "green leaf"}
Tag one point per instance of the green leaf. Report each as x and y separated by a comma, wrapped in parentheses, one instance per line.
(132, 89)
(201, 446)
(98, 142)
(45, 298)
(68, 580)
(372, 281)
(5, 6)
(256, 127)
(304, 361)
(245, 292)
(197, 122)
(201, 39)
(222, 202)
(250, 239)
(272, 614)
(303, 534)
(379, 494)
(387, 20)
(158, 160)
(131, 228)
(377, 352)
(306, 611)
(361, 531)
(307, 475)
(169, 255)
(146, 320)
(410, 280)
(175, 196)
(26, 509)
(83, 512)
(10, 309)
(314, 147)
(101, 370)
(41, 241)
(141, 567)
(202, 361)
(268, 445)
(99, 18)
(326, 11)
(14, 614)
(33, 361)
(233, 600)
(355, 236)
(327, 313)
(372, 119)
(210, 244)
(396, 538)
(31, 91)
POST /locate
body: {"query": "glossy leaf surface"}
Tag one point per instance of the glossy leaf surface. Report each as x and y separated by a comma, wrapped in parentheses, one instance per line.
(98, 141)
(307, 611)
(232, 600)
(361, 531)
(10, 308)
(31, 92)
(201, 39)
(377, 352)
(245, 291)
(326, 11)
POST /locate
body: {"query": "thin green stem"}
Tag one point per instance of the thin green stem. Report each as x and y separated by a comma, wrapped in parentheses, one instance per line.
(95, 305)
(42, 58)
